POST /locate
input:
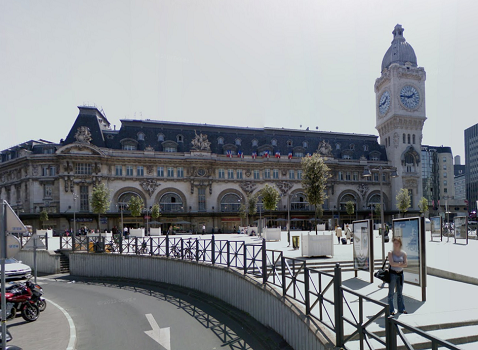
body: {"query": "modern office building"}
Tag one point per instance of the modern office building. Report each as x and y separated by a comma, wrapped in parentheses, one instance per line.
(460, 182)
(201, 173)
(471, 161)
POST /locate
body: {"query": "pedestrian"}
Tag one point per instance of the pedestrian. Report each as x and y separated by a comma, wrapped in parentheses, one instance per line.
(348, 233)
(398, 260)
(234, 229)
(203, 229)
(338, 233)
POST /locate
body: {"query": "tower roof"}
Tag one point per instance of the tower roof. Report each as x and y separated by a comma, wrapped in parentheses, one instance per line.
(400, 51)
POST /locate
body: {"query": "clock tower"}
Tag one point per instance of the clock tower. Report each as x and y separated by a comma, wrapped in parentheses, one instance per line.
(400, 109)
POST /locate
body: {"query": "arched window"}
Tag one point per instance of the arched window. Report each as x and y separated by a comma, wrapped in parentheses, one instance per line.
(220, 140)
(125, 197)
(289, 143)
(337, 146)
(305, 144)
(171, 203)
(374, 200)
(408, 138)
(255, 143)
(404, 138)
(160, 137)
(238, 142)
(274, 142)
(179, 138)
(365, 148)
(352, 146)
(299, 202)
(231, 203)
(413, 138)
(346, 198)
(140, 136)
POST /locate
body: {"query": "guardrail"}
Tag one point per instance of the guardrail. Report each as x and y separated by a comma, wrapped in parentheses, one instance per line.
(322, 294)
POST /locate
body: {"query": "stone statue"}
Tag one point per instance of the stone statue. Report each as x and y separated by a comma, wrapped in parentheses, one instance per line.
(149, 186)
(200, 142)
(83, 134)
(325, 148)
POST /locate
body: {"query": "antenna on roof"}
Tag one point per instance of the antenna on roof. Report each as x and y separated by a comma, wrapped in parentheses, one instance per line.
(316, 128)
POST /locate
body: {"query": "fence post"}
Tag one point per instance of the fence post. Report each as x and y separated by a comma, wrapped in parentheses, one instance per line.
(306, 288)
(282, 266)
(228, 252)
(73, 242)
(120, 240)
(182, 248)
(167, 244)
(151, 246)
(197, 250)
(390, 331)
(338, 306)
(213, 250)
(264, 262)
(245, 259)
(136, 250)
(87, 243)
(46, 241)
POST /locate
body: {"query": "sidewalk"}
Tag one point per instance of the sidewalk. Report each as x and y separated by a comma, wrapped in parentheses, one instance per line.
(50, 331)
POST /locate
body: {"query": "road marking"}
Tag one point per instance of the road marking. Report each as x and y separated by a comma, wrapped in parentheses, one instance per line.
(72, 341)
(159, 335)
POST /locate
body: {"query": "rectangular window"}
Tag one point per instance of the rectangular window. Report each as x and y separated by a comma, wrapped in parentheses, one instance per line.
(45, 171)
(83, 169)
(444, 159)
(180, 172)
(356, 176)
(275, 174)
(384, 177)
(410, 193)
(445, 174)
(347, 176)
(445, 190)
(239, 174)
(221, 173)
(267, 173)
(257, 175)
(375, 177)
(341, 176)
(299, 174)
(445, 183)
(119, 170)
(129, 147)
(444, 167)
(160, 171)
(84, 199)
(129, 170)
(47, 191)
(170, 172)
(230, 174)
(291, 174)
(52, 171)
(404, 139)
(202, 199)
(139, 171)
(170, 149)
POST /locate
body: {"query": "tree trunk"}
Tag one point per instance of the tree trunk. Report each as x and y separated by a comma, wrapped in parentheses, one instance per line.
(99, 228)
(316, 233)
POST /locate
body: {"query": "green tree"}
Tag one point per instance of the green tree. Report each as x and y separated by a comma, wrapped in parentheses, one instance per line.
(155, 212)
(249, 208)
(43, 216)
(423, 205)
(378, 212)
(403, 201)
(136, 205)
(350, 208)
(270, 197)
(315, 174)
(100, 200)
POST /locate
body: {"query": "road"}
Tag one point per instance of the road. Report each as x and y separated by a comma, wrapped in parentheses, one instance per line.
(113, 315)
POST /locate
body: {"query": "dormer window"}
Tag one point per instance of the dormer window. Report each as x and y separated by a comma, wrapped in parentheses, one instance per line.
(337, 146)
(255, 143)
(352, 146)
(274, 142)
(160, 137)
(220, 140)
(305, 144)
(140, 136)
(365, 148)
(170, 146)
(289, 143)
(179, 138)
(129, 144)
(238, 142)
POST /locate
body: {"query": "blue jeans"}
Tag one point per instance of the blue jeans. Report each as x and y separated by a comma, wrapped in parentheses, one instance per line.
(396, 281)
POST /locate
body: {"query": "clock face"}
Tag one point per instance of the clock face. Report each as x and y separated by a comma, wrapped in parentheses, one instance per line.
(384, 103)
(409, 97)
(201, 172)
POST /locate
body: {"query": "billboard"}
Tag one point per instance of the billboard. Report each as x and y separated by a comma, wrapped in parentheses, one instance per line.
(363, 246)
(461, 228)
(410, 231)
(436, 227)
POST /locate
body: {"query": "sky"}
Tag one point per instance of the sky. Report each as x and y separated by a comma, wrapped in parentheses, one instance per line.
(275, 63)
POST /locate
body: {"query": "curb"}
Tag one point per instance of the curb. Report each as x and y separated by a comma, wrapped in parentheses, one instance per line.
(73, 338)
(452, 276)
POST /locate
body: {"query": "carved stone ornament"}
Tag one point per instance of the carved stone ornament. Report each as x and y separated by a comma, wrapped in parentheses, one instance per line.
(325, 148)
(362, 189)
(200, 142)
(83, 134)
(410, 183)
(149, 186)
(248, 173)
(248, 186)
(396, 140)
(363, 157)
(284, 186)
(149, 169)
(149, 149)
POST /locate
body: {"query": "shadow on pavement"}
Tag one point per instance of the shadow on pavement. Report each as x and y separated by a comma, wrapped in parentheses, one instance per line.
(211, 313)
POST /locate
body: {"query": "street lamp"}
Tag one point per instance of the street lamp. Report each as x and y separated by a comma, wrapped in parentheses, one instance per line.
(393, 173)
(147, 210)
(75, 197)
(121, 206)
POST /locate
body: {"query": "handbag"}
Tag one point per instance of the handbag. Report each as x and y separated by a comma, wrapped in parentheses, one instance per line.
(383, 273)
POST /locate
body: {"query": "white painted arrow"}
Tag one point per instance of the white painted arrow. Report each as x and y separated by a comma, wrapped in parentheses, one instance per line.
(159, 335)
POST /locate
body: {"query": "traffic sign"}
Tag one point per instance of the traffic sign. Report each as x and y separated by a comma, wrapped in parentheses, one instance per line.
(31, 244)
(13, 246)
(147, 217)
(14, 224)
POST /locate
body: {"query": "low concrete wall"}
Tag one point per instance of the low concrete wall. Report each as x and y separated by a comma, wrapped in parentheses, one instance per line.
(47, 262)
(452, 276)
(260, 301)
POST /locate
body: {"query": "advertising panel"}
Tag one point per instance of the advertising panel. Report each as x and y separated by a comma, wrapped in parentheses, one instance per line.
(461, 227)
(436, 226)
(409, 230)
(361, 246)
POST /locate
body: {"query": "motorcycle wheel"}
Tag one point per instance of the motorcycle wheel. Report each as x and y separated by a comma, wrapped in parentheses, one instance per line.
(41, 305)
(12, 315)
(30, 312)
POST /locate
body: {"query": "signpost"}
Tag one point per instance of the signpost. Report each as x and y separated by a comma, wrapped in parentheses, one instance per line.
(34, 243)
(461, 227)
(436, 227)
(10, 223)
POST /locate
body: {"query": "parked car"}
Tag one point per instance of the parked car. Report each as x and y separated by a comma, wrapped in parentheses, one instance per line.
(16, 269)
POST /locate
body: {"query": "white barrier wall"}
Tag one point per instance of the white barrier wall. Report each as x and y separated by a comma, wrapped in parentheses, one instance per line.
(49, 233)
(47, 262)
(262, 302)
(272, 234)
(317, 245)
(136, 232)
(153, 231)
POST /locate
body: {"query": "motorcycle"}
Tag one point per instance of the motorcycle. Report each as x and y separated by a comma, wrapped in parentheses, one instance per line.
(37, 292)
(19, 299)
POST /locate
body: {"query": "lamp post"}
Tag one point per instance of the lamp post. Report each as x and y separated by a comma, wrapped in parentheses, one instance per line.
(393, 173)
(75, 197)
(147, 210)
(288, 218)
(121, 208)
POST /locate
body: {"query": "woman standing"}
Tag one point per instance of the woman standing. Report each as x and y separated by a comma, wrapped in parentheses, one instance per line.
(398, 260)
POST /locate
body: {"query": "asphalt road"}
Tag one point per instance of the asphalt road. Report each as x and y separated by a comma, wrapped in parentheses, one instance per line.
(112, 315)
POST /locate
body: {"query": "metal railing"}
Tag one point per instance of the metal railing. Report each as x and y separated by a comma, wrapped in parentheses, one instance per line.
(325, 299)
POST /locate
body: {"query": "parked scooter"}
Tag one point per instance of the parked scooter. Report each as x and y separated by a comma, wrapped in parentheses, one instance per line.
(37, 291)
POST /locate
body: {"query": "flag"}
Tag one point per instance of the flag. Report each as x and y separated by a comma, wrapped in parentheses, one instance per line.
(254, 155)
(290, 155)
(277, 155)
(265, 154)
(229, 154)
(308, 155)
(240, 154)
